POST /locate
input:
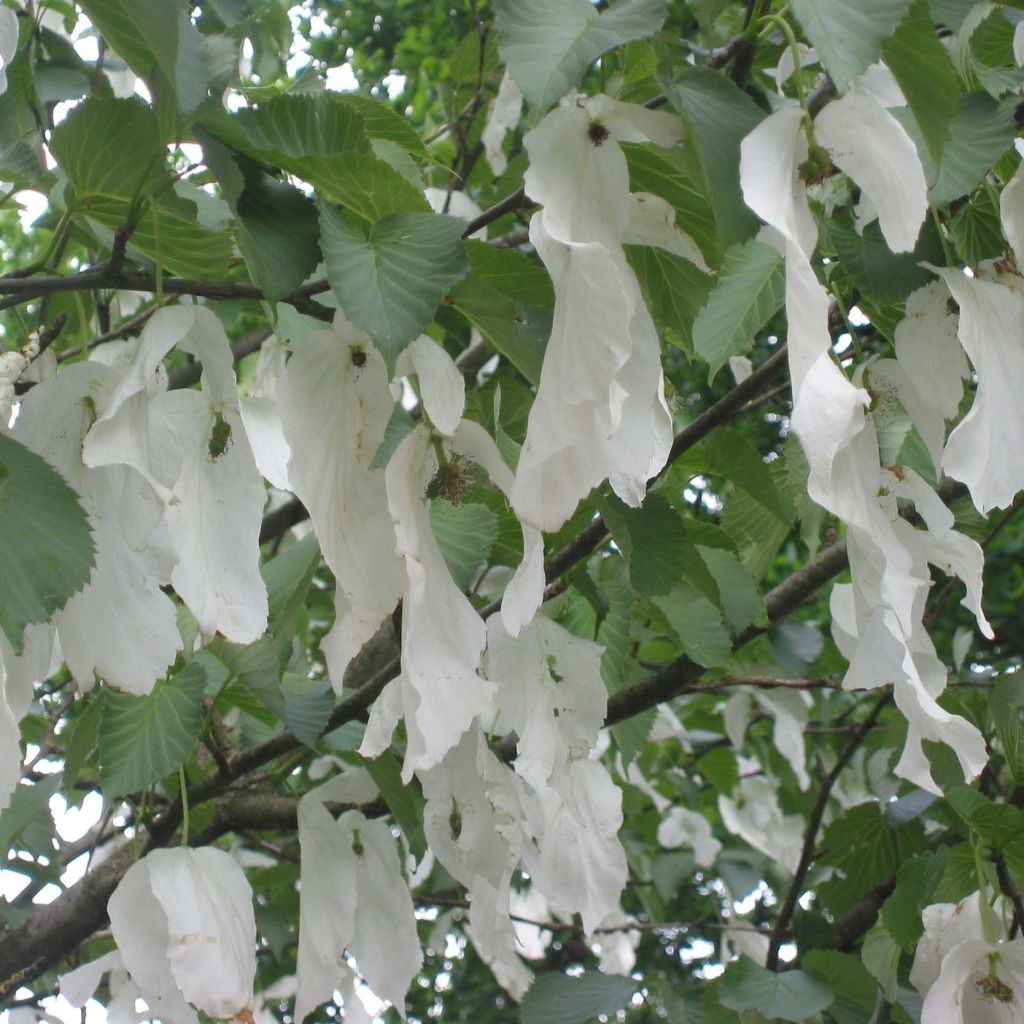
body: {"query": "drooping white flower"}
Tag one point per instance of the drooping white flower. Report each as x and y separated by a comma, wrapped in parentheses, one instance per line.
(754, 815)
(194, 449)
(549, 693)
(576, 858)
(183, 922)
(683, 827)
(471, 822)
(8, 43)
(120, 626)
(789, 710)
(985, 451)
(335, 404)
(443, 637)
(600, 411)
(502, 117)
(442, 387)
(18, 674)
(1011, 199)
(965, 968)
(79, 986)
(352, 897)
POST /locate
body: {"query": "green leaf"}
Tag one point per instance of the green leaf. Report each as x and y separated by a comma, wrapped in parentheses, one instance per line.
(742, 602)
(783, 995)
(508, 297)
(390, 279)
(901, 912)
(144, 739)
(977, 231)
(855, 990)
(167, 232)
(733, 456)
(654, 542)
(673, 288)
(848, 34)
(720, 116)
(921, 65)
(698, 625)
(49, 551)
(549, 46)
(1005, 701)
(307, 706)
(404, 801)
(83, 736)
(278, 227)
(323, 142)
(29, 807)
(750, 290)
(980, 133)
(556, 998)
(465, 534)
(111, 148)
(882, 276)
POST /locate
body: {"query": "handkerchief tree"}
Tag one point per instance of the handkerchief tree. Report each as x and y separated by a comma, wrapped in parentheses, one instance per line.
(509, 510)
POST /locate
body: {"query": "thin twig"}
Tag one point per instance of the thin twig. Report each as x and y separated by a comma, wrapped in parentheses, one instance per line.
(813, 825)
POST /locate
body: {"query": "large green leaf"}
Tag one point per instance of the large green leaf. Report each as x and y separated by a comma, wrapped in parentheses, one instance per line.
(556, 998)
(782, 995)
(854, 988)
(167, 232)
(848, 34)
(548, 46)
(750, 290)
(404, 800)
(144, 739)
(981, 132)
(921, 65)
(111, 148)
(720, 116)
(881, 275)
(390, 279)
(742, 603)
(654, 542)
(465, 534)
(324, 142)
(48, 554)
(697, 624)
(278, 227)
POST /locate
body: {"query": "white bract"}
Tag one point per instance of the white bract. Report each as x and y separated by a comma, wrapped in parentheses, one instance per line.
(353, 899)
(183, 923)
(600, 411)
(335, 404)
(965, 968)
(8, 42)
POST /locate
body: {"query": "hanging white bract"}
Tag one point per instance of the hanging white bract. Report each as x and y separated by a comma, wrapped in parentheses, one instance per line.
(183, 922)
(600, 411)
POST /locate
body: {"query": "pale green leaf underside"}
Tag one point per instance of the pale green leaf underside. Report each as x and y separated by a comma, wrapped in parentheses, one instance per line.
(465, 534)
(548, 46)
(848, 34)
(48, 548)
(390, 280)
